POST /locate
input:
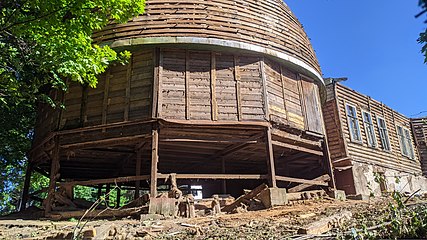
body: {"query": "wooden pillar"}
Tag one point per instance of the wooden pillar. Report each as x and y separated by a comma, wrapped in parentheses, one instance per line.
(54, 175)
(118, 197)
(154, 161)
(224, 182)
(138, 172)
(99, 191)
(327, 159)
(107, 194)
(26, 189)
(270, 158)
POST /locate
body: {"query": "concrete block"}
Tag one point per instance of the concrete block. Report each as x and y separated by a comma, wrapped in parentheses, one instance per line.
(272, 197)
(337, 194)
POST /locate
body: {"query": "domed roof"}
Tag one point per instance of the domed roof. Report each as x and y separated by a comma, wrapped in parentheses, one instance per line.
(266, 26)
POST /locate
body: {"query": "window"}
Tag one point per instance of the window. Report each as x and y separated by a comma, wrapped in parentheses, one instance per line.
(353, 124)
(369, 129)
(382, 128)
(405, 142)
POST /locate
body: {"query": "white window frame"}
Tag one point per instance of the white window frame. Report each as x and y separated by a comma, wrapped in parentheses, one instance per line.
(369, 125)
(352, 138)
(387, 137)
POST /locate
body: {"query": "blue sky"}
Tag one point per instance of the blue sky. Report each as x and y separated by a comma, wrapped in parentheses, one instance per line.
(373, 43)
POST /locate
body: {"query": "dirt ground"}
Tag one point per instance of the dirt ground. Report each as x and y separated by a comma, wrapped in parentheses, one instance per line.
(276, 223)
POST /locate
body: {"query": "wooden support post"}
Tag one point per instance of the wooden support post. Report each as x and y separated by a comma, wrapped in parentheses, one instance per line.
(270, 158)
(24, 199)
(138, 172)
(154, 161)
(98, 196)
(327, 159)
(118, 197)
(54, 175)
(224, 182)
(107, 194)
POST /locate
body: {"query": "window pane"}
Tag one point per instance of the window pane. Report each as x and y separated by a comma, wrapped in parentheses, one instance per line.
(353, 124)
(383, 134)
(411, 153)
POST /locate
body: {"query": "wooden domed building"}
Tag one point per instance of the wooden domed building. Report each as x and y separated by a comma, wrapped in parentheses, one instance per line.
(225, 93)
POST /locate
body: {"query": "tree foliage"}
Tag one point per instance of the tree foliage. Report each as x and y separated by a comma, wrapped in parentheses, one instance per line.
(423, 36)
(43, 44)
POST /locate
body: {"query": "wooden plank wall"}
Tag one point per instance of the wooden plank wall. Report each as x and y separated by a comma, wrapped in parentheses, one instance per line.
(360, 151)
(204, 85)
(419, 127)
(47, 117)
(269, 24)
(123, 93)
(194, 85)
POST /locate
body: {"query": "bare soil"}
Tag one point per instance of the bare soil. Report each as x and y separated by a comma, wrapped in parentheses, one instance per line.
(276, 223)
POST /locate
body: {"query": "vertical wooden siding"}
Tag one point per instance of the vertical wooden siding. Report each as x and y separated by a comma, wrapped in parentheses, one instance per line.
(123, 93)
(188, 86)
(331, 117)
(193, 85)
(360, 151)
(420, 133)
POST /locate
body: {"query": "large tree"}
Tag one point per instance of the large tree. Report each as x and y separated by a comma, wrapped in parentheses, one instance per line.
(423, 36)
(43, 44)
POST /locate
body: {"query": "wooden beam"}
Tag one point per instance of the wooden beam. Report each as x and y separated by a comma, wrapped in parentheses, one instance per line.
(106, 180)
(203, 123)
(329, 166)
(295, 138)
(299, 188)
(270, 158)
(300, 180)
(215, 176)
(207, 140)
(214, 105)
(298, 148)
(25, 191)
(137, 173)
(237, 82)
(238, 146)
(223, 171)
(54, 175)
(247, 196)
(154, 161)
(106, 142)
